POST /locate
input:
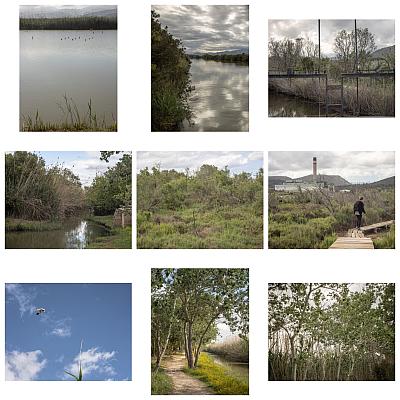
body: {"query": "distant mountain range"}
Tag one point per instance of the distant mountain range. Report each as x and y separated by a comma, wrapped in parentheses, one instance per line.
(335, 180)
(67, 11)
(240, 50)
(383, 52)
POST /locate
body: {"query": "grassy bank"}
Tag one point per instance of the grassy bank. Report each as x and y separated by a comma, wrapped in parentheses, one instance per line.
(119, 238)
(161, 383)
(218, 377)
(375, 97)
(226, 227)
(73, 121)
(386, 241)
(21, 225)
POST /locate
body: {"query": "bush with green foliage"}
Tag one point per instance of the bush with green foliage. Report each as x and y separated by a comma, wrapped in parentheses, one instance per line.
(170, 79)
(209, 208)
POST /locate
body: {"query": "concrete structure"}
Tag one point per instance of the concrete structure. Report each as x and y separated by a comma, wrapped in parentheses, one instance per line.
(122, 217)
(298, 186)
(314, 168)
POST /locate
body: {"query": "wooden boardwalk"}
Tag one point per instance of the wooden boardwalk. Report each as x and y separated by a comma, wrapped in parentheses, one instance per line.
(375, 227)
(355, 239)
(352, 243)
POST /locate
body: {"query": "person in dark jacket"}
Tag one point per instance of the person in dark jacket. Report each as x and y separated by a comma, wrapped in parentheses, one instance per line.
(359, 210)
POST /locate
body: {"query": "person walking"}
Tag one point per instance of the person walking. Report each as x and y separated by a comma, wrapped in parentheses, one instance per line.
(359, 210)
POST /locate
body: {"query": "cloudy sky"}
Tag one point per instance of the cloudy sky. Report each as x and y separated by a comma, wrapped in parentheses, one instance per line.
(356, 167)
(179, 160)
(85, 164)
(51, 11)
(41, 347)
(303, 28)
(207, 29)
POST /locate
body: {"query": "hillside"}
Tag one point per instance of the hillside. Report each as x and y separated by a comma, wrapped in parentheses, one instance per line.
(277, 180)
(336, 180)
(387, 182)
(383, 52)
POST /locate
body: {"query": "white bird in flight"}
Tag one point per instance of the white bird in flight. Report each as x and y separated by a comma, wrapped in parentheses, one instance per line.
(40, 311)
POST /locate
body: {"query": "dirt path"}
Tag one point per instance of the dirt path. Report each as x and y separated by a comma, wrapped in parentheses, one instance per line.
(182, 382)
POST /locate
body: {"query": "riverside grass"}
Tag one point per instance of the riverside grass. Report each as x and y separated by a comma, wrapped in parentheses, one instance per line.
(218, 377)
(73, 120)
(119, 238)
(161, 383)
(21, 225)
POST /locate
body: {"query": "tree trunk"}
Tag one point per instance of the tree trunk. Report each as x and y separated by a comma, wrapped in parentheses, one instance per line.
(190, 346)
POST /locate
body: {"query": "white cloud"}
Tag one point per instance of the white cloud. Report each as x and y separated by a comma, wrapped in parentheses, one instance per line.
(93, 360)
(16, 292)
(193, 160)
(61, 328)
(24, 366)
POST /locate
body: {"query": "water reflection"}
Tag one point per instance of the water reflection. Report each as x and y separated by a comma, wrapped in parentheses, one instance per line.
(75, 234)
(52, 65)
(221, 99)
(239, 370)
(280, 105)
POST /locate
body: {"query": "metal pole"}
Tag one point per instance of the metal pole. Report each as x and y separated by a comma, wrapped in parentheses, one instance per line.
(355, 37)
(319, 67)
(342, 96)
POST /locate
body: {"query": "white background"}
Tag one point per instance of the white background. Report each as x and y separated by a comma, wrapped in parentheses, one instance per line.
(134, 134)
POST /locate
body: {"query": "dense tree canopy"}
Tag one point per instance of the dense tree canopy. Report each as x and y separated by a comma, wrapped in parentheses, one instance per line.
(331, 331)
(170, 79)
(112, 189)
(187, 304)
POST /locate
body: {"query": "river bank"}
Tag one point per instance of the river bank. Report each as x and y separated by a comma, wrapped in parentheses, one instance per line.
(119, 238)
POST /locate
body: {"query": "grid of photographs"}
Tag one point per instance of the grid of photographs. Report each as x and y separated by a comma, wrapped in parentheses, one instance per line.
(154, 270)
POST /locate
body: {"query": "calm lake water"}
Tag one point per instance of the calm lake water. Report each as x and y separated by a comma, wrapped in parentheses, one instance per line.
(51, 65)
(281, 105)
(239, 370)
(220, 101)
(76, 234)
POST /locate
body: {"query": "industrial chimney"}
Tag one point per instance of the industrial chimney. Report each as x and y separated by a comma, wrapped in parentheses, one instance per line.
(314, 168)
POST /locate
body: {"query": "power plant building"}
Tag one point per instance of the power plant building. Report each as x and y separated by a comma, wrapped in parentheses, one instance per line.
(298, 185)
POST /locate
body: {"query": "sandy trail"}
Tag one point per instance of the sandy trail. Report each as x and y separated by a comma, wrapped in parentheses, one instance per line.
(182, 382)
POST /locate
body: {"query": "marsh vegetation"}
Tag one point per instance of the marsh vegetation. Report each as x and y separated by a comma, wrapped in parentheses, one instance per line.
(331, 332)
(207, 208)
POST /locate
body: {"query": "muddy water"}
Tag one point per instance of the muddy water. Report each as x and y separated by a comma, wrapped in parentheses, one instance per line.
(281, 105)
(75, 234)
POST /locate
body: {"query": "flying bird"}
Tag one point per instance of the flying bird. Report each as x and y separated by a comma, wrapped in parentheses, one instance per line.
(40, 311)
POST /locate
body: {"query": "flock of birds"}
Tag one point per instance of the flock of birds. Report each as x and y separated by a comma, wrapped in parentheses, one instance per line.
(87, 38)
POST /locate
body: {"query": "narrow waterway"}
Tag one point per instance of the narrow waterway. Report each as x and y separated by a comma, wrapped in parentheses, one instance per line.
(76, 233)
(238, 369)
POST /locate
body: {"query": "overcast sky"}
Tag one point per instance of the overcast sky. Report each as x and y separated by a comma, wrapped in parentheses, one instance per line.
(236, 161)
(383, 29)
(85, 164)
(63, 10)
(356, 167)
(207, 28)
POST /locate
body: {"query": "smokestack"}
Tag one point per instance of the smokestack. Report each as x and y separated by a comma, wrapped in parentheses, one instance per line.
(314, 168)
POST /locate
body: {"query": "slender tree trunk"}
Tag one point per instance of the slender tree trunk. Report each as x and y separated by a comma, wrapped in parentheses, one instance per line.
(339, 365)
(190, 359)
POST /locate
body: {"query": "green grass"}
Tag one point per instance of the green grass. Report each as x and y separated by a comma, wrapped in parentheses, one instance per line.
(73, 120)
(119, 238)
(161, 383)
(387, 241)
(224, 228)
(20, 225)
(218, 377)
